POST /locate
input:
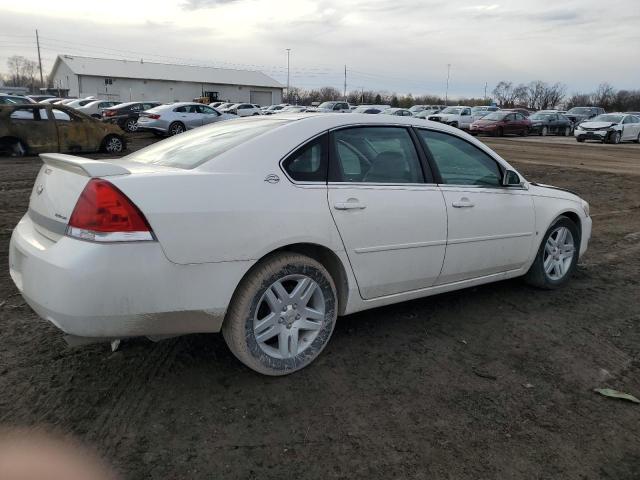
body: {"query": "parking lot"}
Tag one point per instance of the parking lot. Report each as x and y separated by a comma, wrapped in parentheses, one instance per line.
(490, 382)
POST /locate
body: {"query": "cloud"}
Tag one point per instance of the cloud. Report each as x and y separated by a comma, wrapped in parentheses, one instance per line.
(200, 4)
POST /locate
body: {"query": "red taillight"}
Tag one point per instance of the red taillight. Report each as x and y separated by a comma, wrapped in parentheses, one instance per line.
(105, 214)
(108, 113)
(155, 116)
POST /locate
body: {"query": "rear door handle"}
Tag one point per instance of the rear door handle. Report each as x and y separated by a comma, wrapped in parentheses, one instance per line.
(351, 204)
(463, 203)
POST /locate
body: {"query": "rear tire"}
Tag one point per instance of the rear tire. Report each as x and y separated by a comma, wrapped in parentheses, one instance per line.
(131, 125)
(266, 313)
(176, 128)
(553, 254)
(614, 138)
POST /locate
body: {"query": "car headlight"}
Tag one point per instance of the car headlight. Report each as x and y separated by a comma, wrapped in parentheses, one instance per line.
(578, 127)
(585, 207)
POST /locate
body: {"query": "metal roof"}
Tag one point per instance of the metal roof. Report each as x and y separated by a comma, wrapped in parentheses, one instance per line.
(109, 67)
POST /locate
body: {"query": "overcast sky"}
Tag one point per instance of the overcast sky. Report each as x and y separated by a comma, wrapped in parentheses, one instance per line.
(397, 45)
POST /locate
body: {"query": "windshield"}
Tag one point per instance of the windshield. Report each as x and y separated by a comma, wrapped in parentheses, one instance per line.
(495, 116)
(451, 110)
(327, 105)
(191, 149)
(607, 118)
(417, 108)
(580, 110)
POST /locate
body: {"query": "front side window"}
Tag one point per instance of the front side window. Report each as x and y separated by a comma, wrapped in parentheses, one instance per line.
(459, 162)
(206, 110)
(374, 155)
(308, 163)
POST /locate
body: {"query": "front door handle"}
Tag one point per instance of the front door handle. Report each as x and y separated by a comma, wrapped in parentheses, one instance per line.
(351, 204)
(464, 202)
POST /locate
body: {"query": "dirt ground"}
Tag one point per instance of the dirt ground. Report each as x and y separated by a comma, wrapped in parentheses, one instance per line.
(490, 382)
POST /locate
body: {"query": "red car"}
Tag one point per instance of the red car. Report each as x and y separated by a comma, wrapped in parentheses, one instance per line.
(501, 123)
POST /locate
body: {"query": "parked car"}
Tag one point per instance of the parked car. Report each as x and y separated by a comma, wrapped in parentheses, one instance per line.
(175, 118)
(271, 109)
(523, 111)
(6, 99)
(501, 123)
(39, 98)
(81, 102)
(125, 115)
(51, 100)
(431, 110)
(294, 109)
(94, 108)
(610, 128)
(399, 112)
(580, 114)
(35, 128)
(216, 104)
(481, 111)
(459, 116)
(544, 123)
(243, 110)
(64, 101)
(371, 109)
(237, 246)
(224, 106)
(335, 107)
(418, 108)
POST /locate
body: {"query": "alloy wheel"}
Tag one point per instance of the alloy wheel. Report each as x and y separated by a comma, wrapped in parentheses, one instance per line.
(131, 125)
(558, 253)
(289, 316)
(113, 145)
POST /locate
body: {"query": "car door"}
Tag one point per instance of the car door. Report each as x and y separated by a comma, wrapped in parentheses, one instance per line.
(490, 227)
(465, 118)
(208, 114)
(32, 125)
(73, 135)
(390, 215)
(630, 128)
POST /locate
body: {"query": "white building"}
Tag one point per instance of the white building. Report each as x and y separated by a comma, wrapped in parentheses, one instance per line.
(127, 80)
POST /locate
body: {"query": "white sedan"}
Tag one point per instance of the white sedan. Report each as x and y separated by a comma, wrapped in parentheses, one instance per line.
(610, 128)
(269, 228)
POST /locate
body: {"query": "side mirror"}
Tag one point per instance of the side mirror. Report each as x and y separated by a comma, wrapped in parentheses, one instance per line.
(511, 179)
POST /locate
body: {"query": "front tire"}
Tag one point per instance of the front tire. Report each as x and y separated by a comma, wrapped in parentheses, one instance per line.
(567, 131)
(545, 131)
(557, 256)
(113, 144)
(282, 314)
(615, 138)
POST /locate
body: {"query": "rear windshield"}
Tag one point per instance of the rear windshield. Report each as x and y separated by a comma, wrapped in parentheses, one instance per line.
(191, 149)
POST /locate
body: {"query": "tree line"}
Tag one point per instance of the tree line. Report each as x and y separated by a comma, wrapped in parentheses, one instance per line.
(23, 72)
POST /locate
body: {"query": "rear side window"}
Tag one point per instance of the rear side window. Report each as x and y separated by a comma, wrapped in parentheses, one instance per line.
(374, 155)
(24, 114)
(459, 162)
(191, 149)
(308, 163)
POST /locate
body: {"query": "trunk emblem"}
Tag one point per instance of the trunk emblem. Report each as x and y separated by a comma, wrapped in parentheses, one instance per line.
(39, 189)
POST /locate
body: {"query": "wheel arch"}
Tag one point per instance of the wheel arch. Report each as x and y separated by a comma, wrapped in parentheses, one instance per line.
(574, 217)
(323, 255)
(8, 140)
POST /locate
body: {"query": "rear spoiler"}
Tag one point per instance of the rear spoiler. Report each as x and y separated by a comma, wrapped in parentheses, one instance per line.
(83, 166)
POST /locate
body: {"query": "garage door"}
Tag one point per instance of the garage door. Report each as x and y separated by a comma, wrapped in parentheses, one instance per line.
(260, 97)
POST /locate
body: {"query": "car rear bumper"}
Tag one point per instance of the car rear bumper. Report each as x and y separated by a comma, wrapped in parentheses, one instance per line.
(118, 290)
(151, 125)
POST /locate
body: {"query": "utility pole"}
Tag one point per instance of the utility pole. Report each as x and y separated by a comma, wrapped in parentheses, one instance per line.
(446, 95)
(485, 90)
(345, 83)
(39, 59)
(288, 78)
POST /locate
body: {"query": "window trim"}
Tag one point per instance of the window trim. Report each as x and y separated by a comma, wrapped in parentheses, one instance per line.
(438, 176)
(427, 175)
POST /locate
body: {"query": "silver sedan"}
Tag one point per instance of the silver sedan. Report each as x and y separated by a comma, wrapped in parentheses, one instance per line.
(175, 118)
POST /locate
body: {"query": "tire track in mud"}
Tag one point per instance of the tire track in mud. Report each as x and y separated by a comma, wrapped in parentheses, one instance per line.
(133, 397)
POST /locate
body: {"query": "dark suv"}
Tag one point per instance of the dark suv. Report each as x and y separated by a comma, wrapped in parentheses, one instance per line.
(125, 115)
(580, 114)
